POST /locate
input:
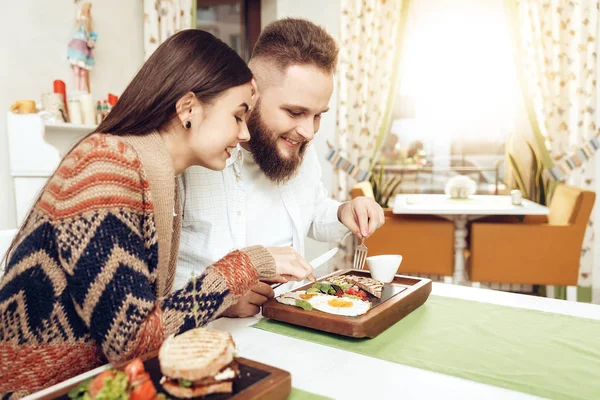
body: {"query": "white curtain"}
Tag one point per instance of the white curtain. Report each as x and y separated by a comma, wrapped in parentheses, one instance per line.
(162, 18)
(559, 50)
(368, 66)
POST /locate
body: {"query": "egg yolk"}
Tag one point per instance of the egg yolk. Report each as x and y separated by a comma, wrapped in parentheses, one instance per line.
(339, 303)
(307, 296)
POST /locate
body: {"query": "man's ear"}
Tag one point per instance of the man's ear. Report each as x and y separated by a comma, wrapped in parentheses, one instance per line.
(254, 95)
(185, 105)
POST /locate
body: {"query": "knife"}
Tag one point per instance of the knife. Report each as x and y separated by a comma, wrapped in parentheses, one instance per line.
(316, 263)
(323, 258)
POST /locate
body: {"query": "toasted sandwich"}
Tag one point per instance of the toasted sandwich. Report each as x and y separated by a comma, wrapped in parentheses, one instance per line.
(369, 285)
(197, 363)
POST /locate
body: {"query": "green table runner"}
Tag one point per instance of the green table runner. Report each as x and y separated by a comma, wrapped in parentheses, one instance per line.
(544, 354)
(298, 394)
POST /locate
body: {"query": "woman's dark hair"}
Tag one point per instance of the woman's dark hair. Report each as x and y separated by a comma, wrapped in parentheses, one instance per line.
(189, 61)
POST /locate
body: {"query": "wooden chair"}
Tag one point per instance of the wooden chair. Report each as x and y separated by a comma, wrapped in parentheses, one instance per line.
(425, 243)
(540, 250)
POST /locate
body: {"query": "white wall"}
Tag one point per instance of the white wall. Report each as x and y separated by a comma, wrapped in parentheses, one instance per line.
(33, 43)
(327, 14)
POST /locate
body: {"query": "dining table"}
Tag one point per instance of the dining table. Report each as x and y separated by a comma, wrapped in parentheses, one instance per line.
(460, 212)
(462, 343)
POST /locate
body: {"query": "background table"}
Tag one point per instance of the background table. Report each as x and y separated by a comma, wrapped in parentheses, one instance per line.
(460, 212)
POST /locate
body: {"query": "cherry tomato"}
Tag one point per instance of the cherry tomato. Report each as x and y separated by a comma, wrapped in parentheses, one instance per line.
(98, 382)
(138, 380)
(357, 292)
(143, 391)
(134, 368)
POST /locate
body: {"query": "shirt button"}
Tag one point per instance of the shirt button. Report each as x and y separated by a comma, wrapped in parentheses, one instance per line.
(237, 178)
(239, 155)
(239, 213)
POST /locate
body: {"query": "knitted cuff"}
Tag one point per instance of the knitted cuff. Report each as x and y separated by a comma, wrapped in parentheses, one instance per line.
(263, 261)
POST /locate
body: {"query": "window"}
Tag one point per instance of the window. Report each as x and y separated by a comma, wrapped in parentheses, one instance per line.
(237, 23)
(457, 95)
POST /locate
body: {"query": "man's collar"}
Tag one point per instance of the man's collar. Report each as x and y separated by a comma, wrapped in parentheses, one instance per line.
(236, 159)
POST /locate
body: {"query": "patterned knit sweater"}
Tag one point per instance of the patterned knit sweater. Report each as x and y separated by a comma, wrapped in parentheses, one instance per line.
(81, 285)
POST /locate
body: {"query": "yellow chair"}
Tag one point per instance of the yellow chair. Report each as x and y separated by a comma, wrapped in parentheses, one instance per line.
(540, 250)
(425, 243)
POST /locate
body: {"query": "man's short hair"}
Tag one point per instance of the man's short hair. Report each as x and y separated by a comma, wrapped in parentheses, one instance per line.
(294, 41)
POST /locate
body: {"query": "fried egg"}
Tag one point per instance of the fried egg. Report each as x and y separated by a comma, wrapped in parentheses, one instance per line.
(290, 298)
(339, 305)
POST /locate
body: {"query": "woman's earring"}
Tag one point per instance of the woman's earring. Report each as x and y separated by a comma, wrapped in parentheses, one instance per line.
(188, 125)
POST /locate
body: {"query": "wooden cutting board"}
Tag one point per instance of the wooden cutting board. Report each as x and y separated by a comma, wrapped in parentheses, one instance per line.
(399, 298)
(256, 382)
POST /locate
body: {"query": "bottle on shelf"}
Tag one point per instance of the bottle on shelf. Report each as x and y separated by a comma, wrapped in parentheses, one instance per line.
(99, 116)
(105, 109)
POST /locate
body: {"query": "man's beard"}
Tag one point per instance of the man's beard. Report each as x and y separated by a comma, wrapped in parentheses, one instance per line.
(264, 149)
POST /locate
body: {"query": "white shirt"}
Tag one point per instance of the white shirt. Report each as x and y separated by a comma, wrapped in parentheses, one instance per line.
(268, 223)
(214, 212)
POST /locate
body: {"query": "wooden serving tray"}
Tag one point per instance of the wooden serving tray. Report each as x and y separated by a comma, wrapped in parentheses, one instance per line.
(255, 381)
(380, 317)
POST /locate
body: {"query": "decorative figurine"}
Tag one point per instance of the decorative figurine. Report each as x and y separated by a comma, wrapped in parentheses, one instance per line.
(80, 47)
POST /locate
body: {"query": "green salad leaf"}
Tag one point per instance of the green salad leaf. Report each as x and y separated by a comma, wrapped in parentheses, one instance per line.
(326, 287)
(185, 383)
(303, 304)
(114, 388)
(81, 391)
(344, 286)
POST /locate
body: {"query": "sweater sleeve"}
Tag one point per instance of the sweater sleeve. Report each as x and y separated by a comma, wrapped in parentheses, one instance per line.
(104, 224)
(221, 284)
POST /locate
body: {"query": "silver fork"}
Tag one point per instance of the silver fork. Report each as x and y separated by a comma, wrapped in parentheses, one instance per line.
(360, 255)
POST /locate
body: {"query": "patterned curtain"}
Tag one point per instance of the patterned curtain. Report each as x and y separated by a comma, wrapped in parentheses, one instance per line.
(558, 50)
(162, 18)
(366, 78)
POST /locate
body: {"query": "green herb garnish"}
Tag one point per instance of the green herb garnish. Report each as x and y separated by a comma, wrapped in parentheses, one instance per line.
(344, 286)
(326, 287)
(303, 304)
(114, 388)
(185, 383)
(81, 391)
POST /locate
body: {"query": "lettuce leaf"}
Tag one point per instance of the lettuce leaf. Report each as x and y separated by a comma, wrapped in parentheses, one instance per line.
(326, 288)
(184, 383)
(114, 388)
(303, 304)
(344, 286)
(81, 391)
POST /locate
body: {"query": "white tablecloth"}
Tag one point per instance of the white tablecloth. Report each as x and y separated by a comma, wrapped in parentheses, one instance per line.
(380, 379)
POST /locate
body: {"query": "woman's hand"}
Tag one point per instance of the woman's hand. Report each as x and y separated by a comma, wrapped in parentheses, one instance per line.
(289, 265)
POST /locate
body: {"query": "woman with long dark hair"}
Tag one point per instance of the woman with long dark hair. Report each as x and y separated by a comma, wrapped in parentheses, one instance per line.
(89, 274)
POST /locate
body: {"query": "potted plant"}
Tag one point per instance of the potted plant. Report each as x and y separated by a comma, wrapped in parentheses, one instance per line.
(383, 189)
(539, 188)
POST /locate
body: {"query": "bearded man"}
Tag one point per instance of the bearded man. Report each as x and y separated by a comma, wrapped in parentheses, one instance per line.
(271, 192)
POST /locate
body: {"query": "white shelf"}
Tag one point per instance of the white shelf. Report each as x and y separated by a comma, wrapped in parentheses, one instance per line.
(70, 128)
